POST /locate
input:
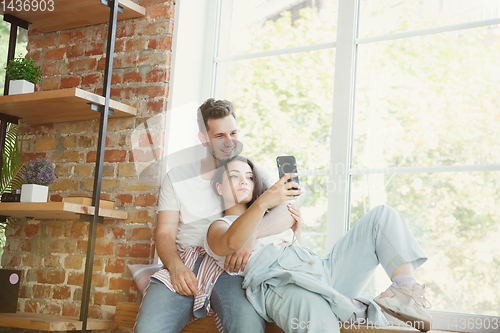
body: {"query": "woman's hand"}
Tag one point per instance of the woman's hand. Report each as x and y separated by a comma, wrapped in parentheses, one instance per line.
(296, 216)
(280, 192)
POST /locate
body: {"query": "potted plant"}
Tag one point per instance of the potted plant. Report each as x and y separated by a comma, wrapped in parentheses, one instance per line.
(37, 175)
(23, 75)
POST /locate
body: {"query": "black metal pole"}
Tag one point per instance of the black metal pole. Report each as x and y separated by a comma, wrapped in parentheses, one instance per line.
(108, 71)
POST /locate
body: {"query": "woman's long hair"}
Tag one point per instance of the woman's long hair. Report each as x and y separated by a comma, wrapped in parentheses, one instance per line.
(258, 185)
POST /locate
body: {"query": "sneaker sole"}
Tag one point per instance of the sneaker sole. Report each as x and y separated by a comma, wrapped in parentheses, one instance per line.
(407, 318)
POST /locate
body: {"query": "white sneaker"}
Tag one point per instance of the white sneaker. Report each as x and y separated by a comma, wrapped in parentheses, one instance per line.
(406, 304)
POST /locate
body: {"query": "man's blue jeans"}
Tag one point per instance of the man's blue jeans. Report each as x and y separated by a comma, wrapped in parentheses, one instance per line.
(164, 311)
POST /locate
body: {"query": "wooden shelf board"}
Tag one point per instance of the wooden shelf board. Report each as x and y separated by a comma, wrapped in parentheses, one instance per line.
(55, 211)
(74, 14)
(61, 105)
(51, 323)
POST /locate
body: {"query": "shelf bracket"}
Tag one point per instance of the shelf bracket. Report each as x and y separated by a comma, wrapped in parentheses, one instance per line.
(110, 3)
(100, 108)
(90, 218)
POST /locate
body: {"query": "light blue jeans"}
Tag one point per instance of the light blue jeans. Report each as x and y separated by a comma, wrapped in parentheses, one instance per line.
(163, 311)
(379, 237)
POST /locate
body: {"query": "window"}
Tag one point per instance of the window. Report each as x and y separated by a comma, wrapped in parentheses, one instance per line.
(382, 102)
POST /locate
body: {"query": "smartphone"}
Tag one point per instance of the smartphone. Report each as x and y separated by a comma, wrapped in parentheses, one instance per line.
(287, 164)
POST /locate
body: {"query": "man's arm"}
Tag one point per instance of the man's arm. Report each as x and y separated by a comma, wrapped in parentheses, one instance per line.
(183, 279)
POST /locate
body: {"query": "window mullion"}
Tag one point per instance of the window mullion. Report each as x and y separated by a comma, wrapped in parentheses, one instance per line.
(343, 98)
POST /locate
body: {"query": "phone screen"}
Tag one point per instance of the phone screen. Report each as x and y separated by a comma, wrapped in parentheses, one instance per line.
(287, 164)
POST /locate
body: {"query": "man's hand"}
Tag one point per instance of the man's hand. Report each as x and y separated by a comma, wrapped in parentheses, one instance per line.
(184, 280)
(238, 260)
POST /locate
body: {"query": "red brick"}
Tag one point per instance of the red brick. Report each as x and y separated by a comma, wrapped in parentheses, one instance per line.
(70, 309)
(118, 283)
(148, 139)
(52, 308)
(70, 81)
(32, 306)
(95, 49)
(41, 291)
(126, 29)
(29, 260)
(112, 299)
(116, 78)
(134, 251)
(86, 64)
(32, 156)
(93, 78)
(136, 44)
(50, 276)
(133, 76)
(75, 278)
(160, 43)
(73, 262)
(54, 229)
(55, 198)
(50, 69)
(50, 83)
(42, 129)
(73, 37)
(155, 107)
(115, 265)
(98, 280)
(77, 230)
(153, 91)
(31, 230)
(52, 261)
(122, 199)
(125, 61)
(61, 292)
(139, 216)
(111, 155)
(145, 200)
(156, 75)
(54, 54)
(36, 55)
(75, 51)
(41, 42)
(140, 234)
(166, 11)
(118, 232)
(104, 248)
(145, 155)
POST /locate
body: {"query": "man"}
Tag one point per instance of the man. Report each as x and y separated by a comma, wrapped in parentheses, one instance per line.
(187, 203)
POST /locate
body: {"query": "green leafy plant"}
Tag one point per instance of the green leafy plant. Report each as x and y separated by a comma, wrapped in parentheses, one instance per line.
(24, 69)
(12, 166)
(12, 160)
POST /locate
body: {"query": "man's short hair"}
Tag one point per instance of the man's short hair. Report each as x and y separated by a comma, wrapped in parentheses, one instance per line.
(213, 109)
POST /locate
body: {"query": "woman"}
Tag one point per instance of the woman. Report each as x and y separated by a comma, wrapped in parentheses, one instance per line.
(293, 286)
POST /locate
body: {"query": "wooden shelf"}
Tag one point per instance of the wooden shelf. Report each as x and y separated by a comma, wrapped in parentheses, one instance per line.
(55, 211)
(74, 14)
(61, 105)
(51, 323)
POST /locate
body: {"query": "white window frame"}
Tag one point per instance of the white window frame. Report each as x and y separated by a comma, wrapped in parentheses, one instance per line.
(193, 79)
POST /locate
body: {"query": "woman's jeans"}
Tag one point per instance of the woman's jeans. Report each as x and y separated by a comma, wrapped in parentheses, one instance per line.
(379, 237)
(163, 311)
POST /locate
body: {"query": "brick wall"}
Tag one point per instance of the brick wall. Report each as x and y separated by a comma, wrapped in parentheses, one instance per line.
(51, 254)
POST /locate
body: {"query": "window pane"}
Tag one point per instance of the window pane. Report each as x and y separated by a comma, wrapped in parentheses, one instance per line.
(456, 219)
(429, 100)
(283, 106)
(258, 25)
(380, 17)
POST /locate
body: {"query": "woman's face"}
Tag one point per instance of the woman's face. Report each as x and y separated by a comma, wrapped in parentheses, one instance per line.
(237, 183)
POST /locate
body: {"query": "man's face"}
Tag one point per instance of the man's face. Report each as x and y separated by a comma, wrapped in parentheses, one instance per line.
(223, 138)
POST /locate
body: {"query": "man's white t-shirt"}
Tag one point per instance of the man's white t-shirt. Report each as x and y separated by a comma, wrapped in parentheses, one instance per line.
(184, 190)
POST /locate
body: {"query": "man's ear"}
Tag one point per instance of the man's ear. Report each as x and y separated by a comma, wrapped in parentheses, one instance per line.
(202, 139)
(219, 188)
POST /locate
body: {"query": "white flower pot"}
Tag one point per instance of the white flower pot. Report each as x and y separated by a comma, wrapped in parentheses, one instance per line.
(17, 87)
(34, 193)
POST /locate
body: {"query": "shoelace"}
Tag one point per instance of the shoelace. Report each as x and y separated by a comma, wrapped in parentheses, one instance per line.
(417, 295)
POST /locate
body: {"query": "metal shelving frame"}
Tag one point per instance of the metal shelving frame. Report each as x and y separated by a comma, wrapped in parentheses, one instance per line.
(103, 123)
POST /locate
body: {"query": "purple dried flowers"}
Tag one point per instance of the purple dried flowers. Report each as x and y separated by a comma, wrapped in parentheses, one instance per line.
(38, 171)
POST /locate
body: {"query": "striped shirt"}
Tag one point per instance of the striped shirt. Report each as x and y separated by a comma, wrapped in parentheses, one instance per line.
(207, 276)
